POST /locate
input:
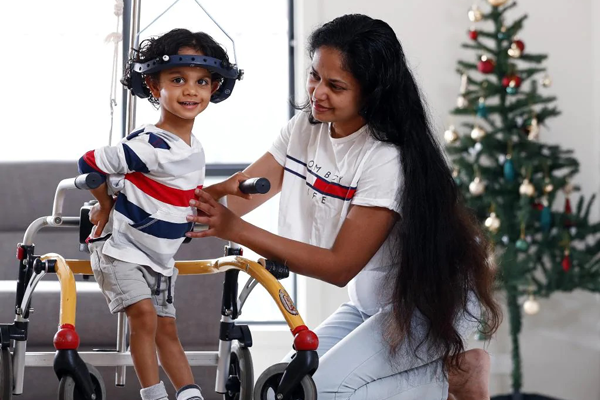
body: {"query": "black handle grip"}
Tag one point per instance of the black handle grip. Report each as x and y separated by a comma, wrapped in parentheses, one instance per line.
(88, 181)
(278, 270)
(255, 185)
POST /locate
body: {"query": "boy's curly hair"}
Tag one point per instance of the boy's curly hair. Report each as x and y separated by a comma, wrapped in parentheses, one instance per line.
(169, 44)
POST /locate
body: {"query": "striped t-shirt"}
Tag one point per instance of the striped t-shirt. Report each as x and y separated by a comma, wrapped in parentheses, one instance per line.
(159, 175)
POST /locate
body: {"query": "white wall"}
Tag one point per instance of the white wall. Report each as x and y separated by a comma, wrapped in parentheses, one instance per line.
(560, 345)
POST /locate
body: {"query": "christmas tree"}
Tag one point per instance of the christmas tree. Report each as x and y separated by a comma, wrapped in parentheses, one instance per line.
(519, 187)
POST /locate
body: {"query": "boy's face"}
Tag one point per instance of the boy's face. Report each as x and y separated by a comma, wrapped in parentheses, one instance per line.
(183, 92)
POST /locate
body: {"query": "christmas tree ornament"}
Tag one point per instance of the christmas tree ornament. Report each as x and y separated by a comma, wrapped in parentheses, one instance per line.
(531, 306)
(475, 14)
(548, 186)
(526, 188)
(450, 135)
(568, 211)
(534, 130)
(502, 35)
(482, 111)
(516, 49)
(509, 168)
(473, 34)
(512, 83)
(497, 3)
(522, 244)
(462, 102)
(546, 81)
(546, 216)
(477, 133)
(566, 261)
(486, 65)
(477, 187)
(505, 239)
(456, 176)
(493, 223)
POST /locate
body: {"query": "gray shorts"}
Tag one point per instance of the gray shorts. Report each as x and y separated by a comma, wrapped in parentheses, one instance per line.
(124, 283)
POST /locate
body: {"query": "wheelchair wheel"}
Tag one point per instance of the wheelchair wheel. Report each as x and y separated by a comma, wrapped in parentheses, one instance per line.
(67, 389)
(240, 382)
(268, 381)
(6, 375)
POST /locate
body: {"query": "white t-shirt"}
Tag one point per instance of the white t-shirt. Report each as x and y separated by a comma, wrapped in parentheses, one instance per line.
(323, 177)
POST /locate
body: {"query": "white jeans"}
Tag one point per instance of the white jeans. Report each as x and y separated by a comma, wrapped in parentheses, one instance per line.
(354, 361)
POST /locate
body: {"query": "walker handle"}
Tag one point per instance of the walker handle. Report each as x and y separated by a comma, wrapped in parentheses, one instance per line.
(255, 185)
(88, 181)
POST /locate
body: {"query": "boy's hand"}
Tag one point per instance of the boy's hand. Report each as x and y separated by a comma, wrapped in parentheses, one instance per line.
(99, 215)
(229, 187)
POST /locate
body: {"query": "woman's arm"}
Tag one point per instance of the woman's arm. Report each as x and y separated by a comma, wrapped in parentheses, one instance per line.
(264, 167)
(362, 234)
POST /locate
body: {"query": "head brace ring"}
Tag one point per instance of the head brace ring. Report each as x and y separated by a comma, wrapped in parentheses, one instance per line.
(229, 72)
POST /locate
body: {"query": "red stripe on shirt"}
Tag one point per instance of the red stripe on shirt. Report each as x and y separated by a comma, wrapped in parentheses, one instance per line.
(166, 194)
(334, 190)
(90, 159)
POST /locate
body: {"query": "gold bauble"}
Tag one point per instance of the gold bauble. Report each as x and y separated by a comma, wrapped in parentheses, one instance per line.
(462, 102)
(527, 189)
(546, 81)
(548, 187)
(492, 222)
(451, 135)
(477, 187)
(477, 133)
(497, 3)
(531, 306)
(475, 14)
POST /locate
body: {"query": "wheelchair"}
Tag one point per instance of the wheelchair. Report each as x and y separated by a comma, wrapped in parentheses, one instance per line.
(78, 378)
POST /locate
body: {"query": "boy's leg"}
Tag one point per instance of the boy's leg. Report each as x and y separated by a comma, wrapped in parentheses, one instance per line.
(142, 333)
(171, 354)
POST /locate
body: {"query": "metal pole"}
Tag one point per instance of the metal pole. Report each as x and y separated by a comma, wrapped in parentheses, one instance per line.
(133, 33)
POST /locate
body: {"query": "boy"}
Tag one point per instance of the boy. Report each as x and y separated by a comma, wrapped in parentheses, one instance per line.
(135, 236)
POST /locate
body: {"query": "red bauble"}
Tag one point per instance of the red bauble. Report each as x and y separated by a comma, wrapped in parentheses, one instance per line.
(520, 45)
(486, 65)
(506, 81)
(473, 34)
(566, 263)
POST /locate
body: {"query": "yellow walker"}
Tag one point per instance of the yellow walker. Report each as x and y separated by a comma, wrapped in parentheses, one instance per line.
(79, 379)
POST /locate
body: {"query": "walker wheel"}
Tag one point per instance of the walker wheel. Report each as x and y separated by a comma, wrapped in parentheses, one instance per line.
(240, 382)
(67, 389)
(268, 381)
(6, 375)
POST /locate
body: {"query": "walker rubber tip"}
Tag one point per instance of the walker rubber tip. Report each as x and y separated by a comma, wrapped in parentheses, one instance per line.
(306, 340)
(66, 338)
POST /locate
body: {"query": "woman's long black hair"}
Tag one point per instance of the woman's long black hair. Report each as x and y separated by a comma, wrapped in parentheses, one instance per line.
(441, 252)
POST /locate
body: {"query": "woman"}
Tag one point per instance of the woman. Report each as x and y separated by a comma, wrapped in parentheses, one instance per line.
(368, 201)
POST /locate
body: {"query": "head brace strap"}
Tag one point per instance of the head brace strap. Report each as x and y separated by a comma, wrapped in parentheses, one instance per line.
(230, 73)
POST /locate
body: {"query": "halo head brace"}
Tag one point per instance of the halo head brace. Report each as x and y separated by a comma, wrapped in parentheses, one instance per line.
(229, 73)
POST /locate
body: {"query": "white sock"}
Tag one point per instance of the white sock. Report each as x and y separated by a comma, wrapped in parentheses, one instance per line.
(189, 392)
(155, 392)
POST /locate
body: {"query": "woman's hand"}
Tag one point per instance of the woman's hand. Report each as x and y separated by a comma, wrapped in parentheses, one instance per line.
(220, 220)
(229, 187)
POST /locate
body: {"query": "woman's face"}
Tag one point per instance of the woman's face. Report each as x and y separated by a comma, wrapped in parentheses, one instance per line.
(334, 92)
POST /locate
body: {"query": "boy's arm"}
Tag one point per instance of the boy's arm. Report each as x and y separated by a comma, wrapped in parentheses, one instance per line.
(100, 213)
